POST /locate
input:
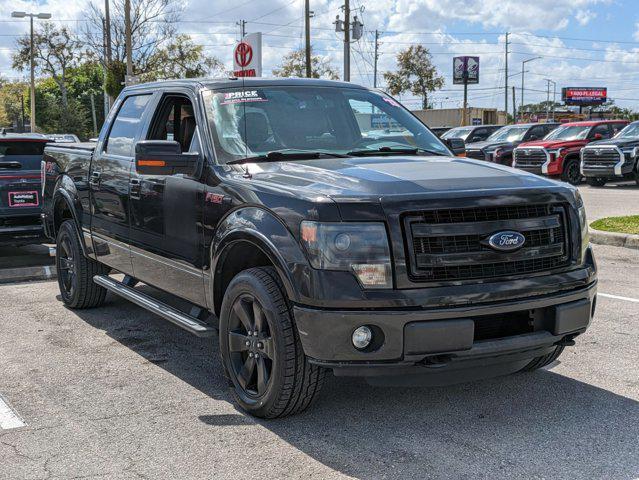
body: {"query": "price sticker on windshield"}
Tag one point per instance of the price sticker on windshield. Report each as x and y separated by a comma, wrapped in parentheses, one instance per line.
(242, 96)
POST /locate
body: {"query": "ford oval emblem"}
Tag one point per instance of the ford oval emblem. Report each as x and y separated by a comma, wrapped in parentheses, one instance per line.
(507, 241)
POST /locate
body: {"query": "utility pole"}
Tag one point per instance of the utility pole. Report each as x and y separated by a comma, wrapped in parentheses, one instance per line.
(307, 34)
(547, 98)
(41, 16)
(506, 76)
(375, 58)
(95, 121)
(127, 40)
(242, 25)
(107, 54)
(523, 65)
(347, 40)
(514, 107)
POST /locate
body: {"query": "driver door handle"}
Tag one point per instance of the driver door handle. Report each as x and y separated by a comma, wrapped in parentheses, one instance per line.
(94, 180)
(135, 188)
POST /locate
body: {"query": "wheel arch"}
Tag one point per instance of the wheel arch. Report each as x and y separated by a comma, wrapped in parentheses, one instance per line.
(65, 208)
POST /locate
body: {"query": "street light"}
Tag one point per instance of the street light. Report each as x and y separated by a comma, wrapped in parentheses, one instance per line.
(523, 65)
(41, 16)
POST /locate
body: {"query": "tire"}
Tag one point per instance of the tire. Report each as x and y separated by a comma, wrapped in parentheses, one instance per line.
(271, 377)
(596, 181)
(76, 272)
(571, 173)
(637, 173)
(544, 360)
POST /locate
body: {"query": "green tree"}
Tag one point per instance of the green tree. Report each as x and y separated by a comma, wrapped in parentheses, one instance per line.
(415, 74)
(13, 97)
(294, 65)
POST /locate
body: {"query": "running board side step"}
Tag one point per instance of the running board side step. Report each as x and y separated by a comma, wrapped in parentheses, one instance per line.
(173, 315)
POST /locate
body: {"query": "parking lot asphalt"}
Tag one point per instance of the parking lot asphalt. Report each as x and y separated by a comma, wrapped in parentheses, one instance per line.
(116, 393)
(611, 200)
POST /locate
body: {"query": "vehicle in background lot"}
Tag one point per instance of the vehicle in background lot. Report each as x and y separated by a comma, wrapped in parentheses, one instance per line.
(471, 134)
(264, 203)
(439, 131)
(20, 188)
(557, 155)
(63, 138)
(612, 160)
(498, 148)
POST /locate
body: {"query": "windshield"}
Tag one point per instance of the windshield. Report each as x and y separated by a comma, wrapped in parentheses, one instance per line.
(459, 132)
(631, 131)
(575, 132)
(508, 134)
(247, 122)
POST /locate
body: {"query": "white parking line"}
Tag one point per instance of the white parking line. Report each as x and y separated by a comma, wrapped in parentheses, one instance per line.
(617, 297)
(8, 418)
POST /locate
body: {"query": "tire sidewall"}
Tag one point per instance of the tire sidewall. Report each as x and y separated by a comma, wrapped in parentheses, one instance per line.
(248, 283)
(67, 230)
(570, 164)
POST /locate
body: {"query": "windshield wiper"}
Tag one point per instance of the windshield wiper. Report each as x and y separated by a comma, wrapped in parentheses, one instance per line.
(290, 154)
(394, 151)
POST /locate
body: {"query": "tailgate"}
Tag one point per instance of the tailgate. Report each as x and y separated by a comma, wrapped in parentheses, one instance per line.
(20, 185)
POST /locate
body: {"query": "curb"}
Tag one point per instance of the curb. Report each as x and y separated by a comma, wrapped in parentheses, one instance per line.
(27, 274)
(614, 239)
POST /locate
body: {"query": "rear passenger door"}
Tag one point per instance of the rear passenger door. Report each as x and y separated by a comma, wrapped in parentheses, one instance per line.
(166, 210)
(109, 184)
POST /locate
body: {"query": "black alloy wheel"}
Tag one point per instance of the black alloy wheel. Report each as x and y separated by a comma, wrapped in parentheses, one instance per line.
(572, 174)
(251, 348)
(67, 271)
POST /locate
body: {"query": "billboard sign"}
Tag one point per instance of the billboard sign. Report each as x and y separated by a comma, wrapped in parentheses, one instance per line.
(465, 70)
(247, 56)
(584, 96)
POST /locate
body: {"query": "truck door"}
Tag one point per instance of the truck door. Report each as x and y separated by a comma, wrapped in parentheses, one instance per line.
(109, 184)
(166, 210)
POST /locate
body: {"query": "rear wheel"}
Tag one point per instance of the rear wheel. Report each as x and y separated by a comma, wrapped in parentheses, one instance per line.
(544, 360)
(572, 174)
(261, 352)
(596, 181)
(76, 272)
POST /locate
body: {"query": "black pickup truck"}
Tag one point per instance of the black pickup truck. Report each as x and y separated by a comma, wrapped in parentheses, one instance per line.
(311, 241)
(614, 159)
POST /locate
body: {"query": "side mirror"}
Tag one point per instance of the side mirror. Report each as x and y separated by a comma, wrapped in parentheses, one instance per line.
(597, 136)
(163, 157)
(457, 146)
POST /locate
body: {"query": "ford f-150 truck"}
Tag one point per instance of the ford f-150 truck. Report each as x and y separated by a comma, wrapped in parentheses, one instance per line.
(557, 155)
(498, 148)
(310, 242)
(614, 159)
(20, 188)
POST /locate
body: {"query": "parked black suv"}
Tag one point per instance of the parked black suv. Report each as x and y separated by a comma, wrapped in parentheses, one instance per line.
(314, 241)
(613, 159)
(498, 148)
(20, 188)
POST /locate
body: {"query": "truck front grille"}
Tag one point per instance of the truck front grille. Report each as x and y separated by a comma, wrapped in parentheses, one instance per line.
(452, 244)
(529, 157)
(600, 158)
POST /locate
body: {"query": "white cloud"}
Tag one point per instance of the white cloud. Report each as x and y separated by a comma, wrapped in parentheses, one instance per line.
(636, 34)
(584, 17)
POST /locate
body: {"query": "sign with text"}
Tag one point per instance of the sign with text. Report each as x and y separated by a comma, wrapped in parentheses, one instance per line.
(584, 95)
(247, 56)
(465, 70)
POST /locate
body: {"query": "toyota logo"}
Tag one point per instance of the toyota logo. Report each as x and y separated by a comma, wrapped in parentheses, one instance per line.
(527, 152)
(243, 54)
(598, 152)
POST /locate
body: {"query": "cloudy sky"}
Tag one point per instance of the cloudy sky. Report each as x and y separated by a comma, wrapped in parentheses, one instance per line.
(581, 42)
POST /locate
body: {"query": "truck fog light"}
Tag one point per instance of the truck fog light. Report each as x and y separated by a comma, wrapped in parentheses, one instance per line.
(362, 337)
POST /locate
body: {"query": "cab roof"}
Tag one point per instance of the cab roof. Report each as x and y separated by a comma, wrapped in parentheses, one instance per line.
(591, 123)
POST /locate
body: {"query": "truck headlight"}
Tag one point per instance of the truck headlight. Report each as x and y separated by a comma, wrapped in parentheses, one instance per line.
(583, 222)
(556, 153)
(360, 248)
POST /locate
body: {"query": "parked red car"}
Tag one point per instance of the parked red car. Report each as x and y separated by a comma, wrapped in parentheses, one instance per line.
(557, 155)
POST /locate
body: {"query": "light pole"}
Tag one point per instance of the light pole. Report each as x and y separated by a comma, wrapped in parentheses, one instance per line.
(41, 16)
(523, 66)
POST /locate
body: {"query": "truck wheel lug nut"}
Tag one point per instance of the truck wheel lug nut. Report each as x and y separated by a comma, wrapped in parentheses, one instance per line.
(259, 345)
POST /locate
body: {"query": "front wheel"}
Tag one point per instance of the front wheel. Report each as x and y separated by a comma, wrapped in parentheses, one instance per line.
(76, 272)
(572, 174)
(260, 348)
(596, 181)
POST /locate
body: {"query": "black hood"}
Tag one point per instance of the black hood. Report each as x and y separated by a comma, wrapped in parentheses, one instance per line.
(618, 142)
(487, 145)
(372, 178)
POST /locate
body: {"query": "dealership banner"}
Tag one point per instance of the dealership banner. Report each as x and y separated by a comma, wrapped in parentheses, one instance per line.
(584, 95)
(247, 56)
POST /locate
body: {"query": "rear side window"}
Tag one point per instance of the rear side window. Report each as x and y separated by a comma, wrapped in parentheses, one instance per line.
(602, 130)
(21, 148)
(126, 126)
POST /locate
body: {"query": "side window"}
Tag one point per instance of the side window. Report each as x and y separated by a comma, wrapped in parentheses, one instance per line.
(602, 130)
(617, 127)
(174, 120)
(537, 132)
(480, 134)
(126, 126)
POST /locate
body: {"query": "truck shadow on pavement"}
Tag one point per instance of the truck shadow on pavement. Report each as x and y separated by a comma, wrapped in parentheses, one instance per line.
(536, 425)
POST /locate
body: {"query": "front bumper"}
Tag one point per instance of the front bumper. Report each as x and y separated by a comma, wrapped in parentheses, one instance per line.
(416, 341)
